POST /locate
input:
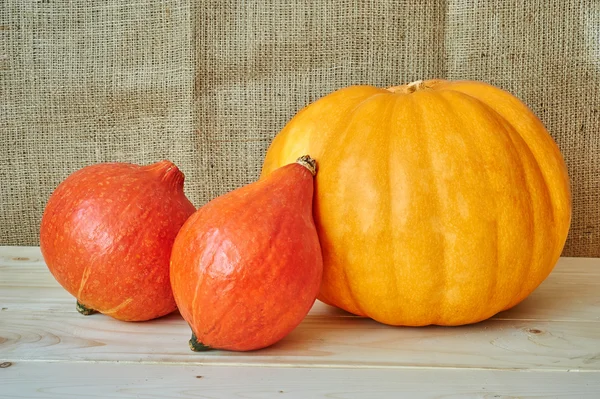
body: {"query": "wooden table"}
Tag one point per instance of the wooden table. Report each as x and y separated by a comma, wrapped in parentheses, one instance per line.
(548, 346)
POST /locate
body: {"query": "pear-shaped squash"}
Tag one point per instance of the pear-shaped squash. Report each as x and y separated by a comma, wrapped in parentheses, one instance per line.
(246, 267)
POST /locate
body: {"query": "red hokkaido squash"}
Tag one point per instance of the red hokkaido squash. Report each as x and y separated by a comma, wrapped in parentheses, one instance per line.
(247, 266)
(106, 235)
(438, 202)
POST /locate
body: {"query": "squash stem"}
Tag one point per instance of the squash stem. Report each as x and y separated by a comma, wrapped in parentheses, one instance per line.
(308, 163)
(415, 86)
(84, 310)
(198, 346)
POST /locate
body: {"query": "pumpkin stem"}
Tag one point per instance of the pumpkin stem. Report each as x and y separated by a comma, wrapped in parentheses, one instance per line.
(308, 163)
(84, 310)
(198, 346)
(414, 86)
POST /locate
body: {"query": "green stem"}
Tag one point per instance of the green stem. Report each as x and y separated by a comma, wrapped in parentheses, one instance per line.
(84, 310)
(198, 346)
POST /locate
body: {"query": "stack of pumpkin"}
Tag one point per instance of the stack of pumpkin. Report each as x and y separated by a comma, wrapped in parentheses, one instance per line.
(435, 202)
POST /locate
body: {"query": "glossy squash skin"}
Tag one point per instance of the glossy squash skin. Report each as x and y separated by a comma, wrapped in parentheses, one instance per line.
(246, 267)
(437, 202)
(106, 236)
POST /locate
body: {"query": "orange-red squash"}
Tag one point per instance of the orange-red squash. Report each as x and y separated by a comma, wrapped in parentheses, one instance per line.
(438, 202)
(106, 236)
(247, 266)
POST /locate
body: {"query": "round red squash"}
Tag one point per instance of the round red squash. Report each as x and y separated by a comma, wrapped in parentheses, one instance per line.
(107, 233)
(438, 202)
(247, 266)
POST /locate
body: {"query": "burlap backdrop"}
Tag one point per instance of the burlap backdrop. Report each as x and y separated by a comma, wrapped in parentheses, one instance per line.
(207, 84)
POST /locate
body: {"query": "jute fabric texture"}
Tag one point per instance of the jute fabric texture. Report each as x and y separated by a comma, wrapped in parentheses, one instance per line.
(207, 84)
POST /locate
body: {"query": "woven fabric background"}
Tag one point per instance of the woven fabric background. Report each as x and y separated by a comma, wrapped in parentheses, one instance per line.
(208, 84)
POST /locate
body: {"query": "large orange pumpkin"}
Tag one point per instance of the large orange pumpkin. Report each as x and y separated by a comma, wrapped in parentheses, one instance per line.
(438, 202)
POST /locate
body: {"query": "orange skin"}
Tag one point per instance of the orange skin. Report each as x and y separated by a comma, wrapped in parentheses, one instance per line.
(246, 267)
(106, 236)
(439, 202)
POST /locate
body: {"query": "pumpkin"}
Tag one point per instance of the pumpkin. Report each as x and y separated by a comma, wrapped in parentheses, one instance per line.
(437, 202)
(246, 267)
(106, 236)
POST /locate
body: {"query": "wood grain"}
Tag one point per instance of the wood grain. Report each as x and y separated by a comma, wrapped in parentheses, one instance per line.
(548, 346)
(63, 381)
(27, 284)
(570, 293)
(317, 342)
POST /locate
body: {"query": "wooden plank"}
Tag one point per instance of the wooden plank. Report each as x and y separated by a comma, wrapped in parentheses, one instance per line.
(16, 256)
(62, 381)
(570, 293)
(317, 342)
(27, 284)
(555, 329)
(55, 299)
